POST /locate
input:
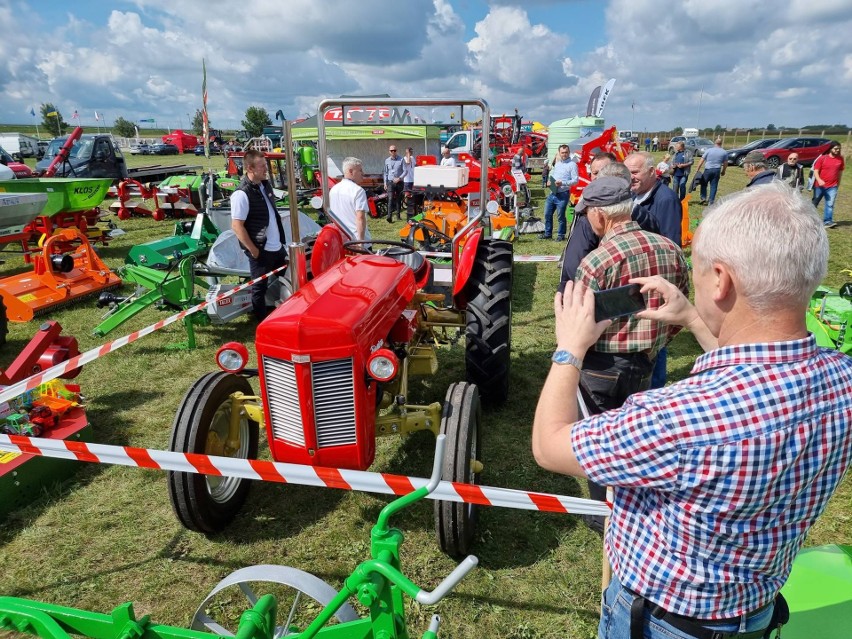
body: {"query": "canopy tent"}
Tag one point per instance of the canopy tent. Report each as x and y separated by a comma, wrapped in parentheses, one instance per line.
(370, 143)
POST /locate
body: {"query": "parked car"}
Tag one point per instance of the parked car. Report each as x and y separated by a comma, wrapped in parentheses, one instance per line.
(42, 147)
(697, 145)
(164, 149)
(735, 156)
(808, 150)
(20, 169)
(214, 149)
(140, 149)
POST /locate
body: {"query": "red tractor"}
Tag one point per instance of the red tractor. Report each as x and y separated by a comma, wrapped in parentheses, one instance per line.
(335, 362)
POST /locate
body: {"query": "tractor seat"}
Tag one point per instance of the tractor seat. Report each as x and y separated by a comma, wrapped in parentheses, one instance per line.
(415, 261)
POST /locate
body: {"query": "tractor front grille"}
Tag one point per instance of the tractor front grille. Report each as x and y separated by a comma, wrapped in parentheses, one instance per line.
(282, 396)
(333, 399)
(334, 402)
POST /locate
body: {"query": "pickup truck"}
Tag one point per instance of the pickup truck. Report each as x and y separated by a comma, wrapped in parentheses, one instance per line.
(97, 155)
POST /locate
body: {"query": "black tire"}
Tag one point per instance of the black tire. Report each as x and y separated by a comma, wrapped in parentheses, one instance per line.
(207, 504)
(489, 320)
(773, 162)
(455, 523)
(4, 322)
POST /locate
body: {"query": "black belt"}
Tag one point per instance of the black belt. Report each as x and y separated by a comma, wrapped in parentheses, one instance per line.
(695, 628)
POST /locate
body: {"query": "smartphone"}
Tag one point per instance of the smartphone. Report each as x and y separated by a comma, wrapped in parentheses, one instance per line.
(618, 302)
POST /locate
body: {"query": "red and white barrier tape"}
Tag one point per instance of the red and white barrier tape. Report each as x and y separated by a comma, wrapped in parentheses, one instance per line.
(84, 358)
(517, 258)
(382, 483)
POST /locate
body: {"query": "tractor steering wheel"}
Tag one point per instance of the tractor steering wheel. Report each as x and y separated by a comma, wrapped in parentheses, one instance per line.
(430, 233)
(394, 248)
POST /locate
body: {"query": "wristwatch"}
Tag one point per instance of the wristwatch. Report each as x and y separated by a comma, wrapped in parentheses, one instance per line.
(565, 357)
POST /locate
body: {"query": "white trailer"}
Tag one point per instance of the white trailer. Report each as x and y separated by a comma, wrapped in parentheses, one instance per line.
(18, 144)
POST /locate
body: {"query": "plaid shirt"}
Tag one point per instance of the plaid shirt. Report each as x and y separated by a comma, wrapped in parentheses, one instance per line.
(626, 252)
(719, 477)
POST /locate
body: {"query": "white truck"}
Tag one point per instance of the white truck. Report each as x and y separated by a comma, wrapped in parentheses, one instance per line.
(19, 145)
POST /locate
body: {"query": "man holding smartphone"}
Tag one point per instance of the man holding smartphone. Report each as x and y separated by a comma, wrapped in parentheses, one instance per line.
(621, 361)
(718, 478)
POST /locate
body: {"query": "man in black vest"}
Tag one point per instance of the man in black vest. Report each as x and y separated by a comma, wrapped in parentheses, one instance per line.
(257, 226)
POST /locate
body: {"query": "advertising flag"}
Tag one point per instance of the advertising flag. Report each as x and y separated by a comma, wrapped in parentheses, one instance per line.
(32, 111)
(52, 114)
(75, 116)
(205, 124)
(97, 117)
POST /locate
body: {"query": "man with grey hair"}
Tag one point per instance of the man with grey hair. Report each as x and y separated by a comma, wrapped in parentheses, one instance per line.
(754, 165)
(718, 478)
(620, 363)
(348, 200)
(715, 162)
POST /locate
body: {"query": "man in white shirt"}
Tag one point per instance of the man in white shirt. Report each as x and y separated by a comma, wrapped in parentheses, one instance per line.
(446, 158)
(348, 200)
(258, 227)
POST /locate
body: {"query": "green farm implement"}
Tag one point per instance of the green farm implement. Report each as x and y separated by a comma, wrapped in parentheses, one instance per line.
(829, 317)
(378, 584)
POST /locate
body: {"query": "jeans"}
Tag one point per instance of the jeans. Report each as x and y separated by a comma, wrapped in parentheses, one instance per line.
(711, 177)
(615, 618)
(555, 202)
(679, 185)
(830, 194)
(658, 377)
(394, 199)
(265, 262)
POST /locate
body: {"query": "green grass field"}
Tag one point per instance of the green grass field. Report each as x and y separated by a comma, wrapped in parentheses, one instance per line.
(109, 536)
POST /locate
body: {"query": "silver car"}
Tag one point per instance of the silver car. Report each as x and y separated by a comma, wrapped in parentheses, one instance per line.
(697, 145)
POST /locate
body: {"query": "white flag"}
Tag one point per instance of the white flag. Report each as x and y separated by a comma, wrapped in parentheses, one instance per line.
(96, 117)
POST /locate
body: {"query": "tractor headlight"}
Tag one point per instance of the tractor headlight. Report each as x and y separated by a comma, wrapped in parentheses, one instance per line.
(232, 357)
(383, 365)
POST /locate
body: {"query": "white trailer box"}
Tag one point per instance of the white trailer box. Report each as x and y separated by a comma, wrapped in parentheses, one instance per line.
(690, 133)
(19, 144)
(448, 177)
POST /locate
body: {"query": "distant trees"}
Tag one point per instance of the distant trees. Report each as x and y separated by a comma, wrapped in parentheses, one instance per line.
(771, 127)
(255, 119)
(198, 122)
(51, 118)
(124, 128)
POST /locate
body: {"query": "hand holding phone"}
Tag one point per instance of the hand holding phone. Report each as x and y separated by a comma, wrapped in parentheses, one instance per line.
(618, 302)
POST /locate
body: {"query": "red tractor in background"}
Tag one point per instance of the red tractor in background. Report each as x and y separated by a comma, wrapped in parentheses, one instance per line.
(335, 363)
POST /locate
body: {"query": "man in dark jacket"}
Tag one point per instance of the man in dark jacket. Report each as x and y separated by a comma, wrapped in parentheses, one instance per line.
(258, 227)
(792, 173)
(754, 165)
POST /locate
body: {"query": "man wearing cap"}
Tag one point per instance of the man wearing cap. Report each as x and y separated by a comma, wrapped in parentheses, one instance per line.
(754, 165)
(620, 363)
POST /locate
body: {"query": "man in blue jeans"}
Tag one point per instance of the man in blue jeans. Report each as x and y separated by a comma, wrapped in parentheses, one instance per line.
(715, 162)
(718, 478)
(681, 164)
(563, 176)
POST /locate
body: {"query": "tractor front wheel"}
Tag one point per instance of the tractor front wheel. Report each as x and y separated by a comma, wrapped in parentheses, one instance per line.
(455, 523)
(489, 320)
(207, 503)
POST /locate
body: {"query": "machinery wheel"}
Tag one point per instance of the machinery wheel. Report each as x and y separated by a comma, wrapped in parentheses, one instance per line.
(455, 523)
(206, 503)
(296, 591)
(773, 162)
(489, 320)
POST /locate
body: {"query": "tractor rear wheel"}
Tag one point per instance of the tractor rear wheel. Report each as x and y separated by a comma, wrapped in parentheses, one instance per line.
(489, 320)
(455, 523)
(4, 322)
(207, 503)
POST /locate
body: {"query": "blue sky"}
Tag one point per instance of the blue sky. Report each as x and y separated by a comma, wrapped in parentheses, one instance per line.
(692, 63)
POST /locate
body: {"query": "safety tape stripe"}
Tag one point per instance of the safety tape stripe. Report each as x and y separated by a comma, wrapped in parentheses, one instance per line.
(365, 481)
(516, 258)
(59, 370)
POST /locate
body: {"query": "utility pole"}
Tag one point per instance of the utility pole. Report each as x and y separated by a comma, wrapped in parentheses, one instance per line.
(698, 123)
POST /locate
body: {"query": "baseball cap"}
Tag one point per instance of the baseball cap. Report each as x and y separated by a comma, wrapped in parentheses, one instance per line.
(603, 192)
(754, 157)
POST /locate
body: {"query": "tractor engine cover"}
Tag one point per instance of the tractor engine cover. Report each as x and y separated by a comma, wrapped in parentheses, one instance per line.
(319, 403)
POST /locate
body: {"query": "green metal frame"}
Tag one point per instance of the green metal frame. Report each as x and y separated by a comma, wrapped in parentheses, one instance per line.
(378, 583)
(163, 286)
(829, 316)
(164, 252)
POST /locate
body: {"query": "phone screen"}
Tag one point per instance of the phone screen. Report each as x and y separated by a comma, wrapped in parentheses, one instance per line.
(618, 302)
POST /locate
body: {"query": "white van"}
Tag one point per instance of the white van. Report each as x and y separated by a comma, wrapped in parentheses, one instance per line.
(690, 133)
(18, 144)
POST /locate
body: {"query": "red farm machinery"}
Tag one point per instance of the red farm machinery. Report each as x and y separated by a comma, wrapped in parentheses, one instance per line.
(335, 362)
